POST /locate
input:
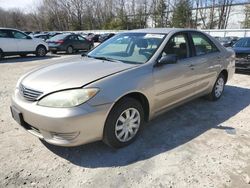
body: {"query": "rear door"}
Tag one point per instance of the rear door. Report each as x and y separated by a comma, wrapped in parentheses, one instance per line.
(24, 43)
(206, 62)
(7, 42)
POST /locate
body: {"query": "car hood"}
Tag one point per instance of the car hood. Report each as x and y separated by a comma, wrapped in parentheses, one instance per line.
(241, 50)
(72, 74)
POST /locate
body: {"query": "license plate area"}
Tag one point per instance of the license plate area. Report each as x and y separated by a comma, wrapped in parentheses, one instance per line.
(18, 117)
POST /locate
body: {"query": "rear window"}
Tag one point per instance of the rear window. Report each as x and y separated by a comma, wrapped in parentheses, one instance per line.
(59, 37)
(4, 34)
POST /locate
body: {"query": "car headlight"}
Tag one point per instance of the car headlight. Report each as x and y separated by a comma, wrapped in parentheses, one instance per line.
(68, 98)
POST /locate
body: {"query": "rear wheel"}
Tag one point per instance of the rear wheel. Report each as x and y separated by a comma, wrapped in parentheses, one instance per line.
(41, 51)
(123, 123)
(70, 50)
(218, 88)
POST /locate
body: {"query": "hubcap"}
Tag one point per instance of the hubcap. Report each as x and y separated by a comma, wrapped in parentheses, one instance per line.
(127, 124)
(41, 51)
(70, 50)
(219, 87)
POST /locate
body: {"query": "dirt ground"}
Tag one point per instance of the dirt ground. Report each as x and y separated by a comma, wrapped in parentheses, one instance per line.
(199, 144)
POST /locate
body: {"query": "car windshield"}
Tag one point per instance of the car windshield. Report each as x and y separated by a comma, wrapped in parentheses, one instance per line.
(129, 47)
(245, 43)
(59, 37)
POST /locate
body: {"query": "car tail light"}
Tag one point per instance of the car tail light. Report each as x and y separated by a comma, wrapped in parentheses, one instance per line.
(59, 41)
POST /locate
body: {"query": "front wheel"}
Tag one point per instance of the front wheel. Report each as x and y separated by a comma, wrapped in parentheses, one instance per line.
(23, 55)
(218, 88)
(41, 51)
(124, 122)
(1, 55)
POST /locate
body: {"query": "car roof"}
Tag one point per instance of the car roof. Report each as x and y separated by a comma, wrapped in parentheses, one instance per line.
(160, 30)
(40, 34)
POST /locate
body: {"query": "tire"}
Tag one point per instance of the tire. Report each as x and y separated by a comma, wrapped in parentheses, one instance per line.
(53, 51)
(91, 46)
(218, 88)
(41, 51)
(23, 55)
(1, 55)
(118, 124)
(69, 50)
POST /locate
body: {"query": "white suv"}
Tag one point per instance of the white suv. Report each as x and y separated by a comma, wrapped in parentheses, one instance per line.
(15, 42)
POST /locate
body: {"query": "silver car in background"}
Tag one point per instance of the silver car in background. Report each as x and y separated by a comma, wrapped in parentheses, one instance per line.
(124, 82)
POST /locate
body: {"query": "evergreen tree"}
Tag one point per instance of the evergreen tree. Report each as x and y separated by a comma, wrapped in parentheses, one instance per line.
(246, 23)
(182, 14)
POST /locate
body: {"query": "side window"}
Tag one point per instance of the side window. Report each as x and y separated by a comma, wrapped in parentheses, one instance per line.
(4, 34)
(177, 45)
(202, 44)
(73, 37)
(18, 35)
(81, 38)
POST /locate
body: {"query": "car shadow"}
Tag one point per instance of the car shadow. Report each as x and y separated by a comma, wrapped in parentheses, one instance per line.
(166, 132)
(18, 59)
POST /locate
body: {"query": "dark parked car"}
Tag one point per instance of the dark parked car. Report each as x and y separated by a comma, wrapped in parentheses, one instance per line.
(105, 36)
(69, 43)
(94, 37)
(46, 36)
(242, 51)
(228, 41)
(42, 36)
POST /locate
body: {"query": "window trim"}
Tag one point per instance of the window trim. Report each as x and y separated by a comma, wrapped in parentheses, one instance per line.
(208, 40)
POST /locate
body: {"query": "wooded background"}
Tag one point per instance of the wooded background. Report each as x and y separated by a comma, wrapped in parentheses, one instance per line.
(61, 15)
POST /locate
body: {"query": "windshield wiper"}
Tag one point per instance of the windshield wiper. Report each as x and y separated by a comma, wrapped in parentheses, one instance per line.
(102, 58)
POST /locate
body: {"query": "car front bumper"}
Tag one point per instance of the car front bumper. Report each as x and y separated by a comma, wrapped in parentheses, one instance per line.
(61, 126)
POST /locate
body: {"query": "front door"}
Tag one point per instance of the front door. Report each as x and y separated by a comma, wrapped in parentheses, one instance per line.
(83, 43)
(175, 82)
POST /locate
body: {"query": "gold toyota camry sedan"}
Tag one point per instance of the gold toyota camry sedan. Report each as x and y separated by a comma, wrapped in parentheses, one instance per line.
(119, 85)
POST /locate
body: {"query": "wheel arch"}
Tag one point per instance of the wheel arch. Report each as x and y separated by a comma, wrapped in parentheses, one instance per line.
(224, 72)
(41, 45)
(139, 97)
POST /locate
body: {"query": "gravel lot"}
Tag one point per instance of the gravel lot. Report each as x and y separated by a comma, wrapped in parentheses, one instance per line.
(199, 144)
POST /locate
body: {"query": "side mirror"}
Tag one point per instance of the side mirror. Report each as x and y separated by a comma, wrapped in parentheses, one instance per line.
(167, 59)
(29, 37)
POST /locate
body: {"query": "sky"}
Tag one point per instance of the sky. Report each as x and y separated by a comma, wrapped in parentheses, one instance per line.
(29, 5)
(25, 5)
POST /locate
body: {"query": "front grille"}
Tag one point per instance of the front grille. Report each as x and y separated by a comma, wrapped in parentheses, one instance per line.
(29, 94)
